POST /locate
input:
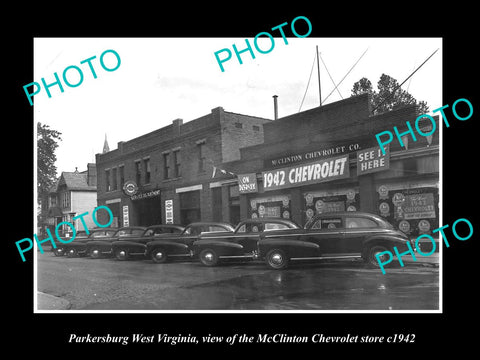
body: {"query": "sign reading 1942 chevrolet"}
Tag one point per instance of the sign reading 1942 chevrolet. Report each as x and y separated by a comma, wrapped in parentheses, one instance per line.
(304, 174)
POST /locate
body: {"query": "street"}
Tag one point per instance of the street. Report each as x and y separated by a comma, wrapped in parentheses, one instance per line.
(140, 284)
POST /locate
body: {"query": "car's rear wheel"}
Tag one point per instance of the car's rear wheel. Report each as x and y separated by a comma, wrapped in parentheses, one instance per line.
(95, 253)
(372, 253)
(122, 254)
(71, 253)
(208, 257)
(159, 256)
(277, 259)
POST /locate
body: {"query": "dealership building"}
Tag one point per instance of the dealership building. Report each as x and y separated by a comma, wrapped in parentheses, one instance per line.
(232, 167)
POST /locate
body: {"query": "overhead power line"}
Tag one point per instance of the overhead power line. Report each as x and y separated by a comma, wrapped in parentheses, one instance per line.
(398, 86)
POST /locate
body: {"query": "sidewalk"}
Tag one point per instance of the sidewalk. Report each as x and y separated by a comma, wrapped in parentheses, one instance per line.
(50, 302)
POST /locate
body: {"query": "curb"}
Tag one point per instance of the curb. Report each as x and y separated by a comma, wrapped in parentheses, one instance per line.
(50, 302)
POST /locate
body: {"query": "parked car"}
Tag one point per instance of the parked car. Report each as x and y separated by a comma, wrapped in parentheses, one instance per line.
(59, 250)
(137, 245)
(242, 243)
(100, 247)
(338, 235)
(78, 246)
(180, 245)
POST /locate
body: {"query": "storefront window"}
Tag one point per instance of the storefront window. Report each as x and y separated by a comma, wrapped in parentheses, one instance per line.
(273, 206)
(322, 202)
(411, 210)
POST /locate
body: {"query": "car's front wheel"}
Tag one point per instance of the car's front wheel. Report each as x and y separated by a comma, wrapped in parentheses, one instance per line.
(277, 259)
(95, 253)
(121, 254)
(208, 257)
(159, 256)
(372, 253)
(59, 251)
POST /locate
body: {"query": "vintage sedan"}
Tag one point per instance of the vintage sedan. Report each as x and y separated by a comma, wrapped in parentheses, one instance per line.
(180, 245)
(242, 243)
(78, 246)
(97, 248)
(123, 249)
(338, 235)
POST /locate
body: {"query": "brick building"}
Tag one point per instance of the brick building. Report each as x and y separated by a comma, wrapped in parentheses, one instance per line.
(165, 176)
(326, 159)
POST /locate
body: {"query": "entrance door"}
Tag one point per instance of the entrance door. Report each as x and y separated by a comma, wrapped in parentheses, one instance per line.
(148, 211)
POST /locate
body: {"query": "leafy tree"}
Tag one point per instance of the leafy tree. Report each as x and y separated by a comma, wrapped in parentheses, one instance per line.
(47, 143)
(389, 95)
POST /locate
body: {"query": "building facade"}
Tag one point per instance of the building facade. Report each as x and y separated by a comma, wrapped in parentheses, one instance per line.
(73, 194)
(228, 167)
(165, 176)
(327, 159)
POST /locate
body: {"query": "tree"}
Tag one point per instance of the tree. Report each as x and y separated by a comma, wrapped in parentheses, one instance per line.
(46, 169)
(389, 95)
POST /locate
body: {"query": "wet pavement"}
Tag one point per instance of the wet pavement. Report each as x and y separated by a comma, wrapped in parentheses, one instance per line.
(108, 284)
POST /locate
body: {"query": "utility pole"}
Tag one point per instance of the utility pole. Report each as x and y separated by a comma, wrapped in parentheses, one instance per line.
(319, 86)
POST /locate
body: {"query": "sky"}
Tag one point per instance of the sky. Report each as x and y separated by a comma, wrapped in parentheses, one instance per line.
(163, 79)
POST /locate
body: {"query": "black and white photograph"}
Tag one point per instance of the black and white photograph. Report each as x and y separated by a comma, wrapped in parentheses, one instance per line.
(230, 189)
(239, 186)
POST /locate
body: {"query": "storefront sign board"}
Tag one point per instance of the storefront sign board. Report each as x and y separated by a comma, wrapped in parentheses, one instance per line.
(169, 211)
(304, 174)
(247, 183)
(372, 160)
(126, 221)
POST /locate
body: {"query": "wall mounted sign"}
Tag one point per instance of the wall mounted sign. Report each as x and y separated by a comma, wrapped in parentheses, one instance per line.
(126, 220)
(169, 211)
(130, 188)
(145, 195)
(310, 173)
(247, 183)
(372, 160)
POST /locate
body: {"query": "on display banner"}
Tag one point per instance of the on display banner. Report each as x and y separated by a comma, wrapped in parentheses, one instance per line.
(304, 174)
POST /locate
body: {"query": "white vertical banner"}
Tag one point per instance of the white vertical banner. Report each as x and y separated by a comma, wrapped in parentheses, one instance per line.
(169, 211)
(126, 221)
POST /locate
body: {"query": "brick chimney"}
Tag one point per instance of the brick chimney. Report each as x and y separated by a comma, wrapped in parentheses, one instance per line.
(177, 124)
(91, 174)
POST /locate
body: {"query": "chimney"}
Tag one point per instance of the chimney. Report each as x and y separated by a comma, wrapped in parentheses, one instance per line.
(177, 123)
(275, 107)
(120, 146)
(91, 174)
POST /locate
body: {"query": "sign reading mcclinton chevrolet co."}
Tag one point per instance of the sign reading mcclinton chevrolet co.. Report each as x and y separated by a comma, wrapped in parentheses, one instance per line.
(304, 174)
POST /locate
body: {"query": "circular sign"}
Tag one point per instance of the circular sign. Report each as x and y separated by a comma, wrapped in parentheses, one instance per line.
(384, 208)
(424, 226)
(309, 213)
(130, 188)
(383, 190)
(309, 199)
(286, 214)
(319, 205)
(351, 194)
(261, 210)
(398, 199)
(351, 208)
(404, 226)
(285, 202)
